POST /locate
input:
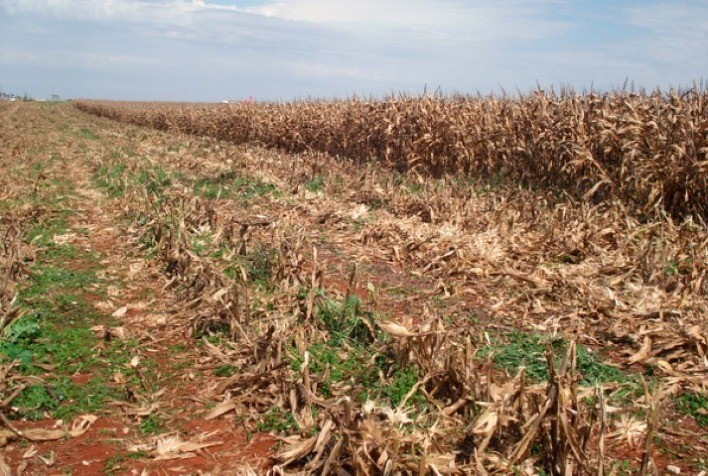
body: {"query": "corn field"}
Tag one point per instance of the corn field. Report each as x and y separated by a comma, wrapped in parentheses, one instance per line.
(647, 150)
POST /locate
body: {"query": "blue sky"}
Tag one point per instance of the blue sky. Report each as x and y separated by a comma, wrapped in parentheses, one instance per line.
(208, 50)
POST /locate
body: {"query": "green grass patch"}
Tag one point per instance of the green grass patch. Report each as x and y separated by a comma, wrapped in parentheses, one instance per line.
(225, 371)
(259, 264)
(55, 329)
(694, 404)
(154, 179)
(111, 178)
(88, 134)
(115, 463)
(401, 382)
(41, 234)
(316, 184)
(346, 321)
(231, 185)
(277, 420)
(153, 424)
(63, 399)
(353, 356)
(528, 349)
(200, 244)
(116, 178)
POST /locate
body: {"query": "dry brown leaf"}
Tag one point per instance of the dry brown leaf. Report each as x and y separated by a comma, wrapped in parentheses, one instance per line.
(118, 332)
(41, 434)
(100, 330)
(104, 332)
(144, 410)
(49, 460)
(5, 469)
(63, 239)
(643, 353)
(30, 452)
(172, 447)
(120, 312)
(395, 329)
(297, 450)
(103, 305)
(47, 367)
(119, 378)
(630, 429)
(220, 409)
(81, 425)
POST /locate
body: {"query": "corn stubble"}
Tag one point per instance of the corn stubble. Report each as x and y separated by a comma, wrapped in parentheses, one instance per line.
(638, 155)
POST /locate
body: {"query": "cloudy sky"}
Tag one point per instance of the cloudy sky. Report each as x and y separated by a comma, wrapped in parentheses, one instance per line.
(205, 50)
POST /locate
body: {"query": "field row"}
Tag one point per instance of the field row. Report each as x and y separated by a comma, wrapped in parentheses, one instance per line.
(646, 150)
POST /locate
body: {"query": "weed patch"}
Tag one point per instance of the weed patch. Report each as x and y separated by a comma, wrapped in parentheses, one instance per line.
(115, 462)
(225, 371)
(152, 425)
(231, 185)
(55, 330)
(258, 265)
(277, 420)
(350, 357)
(88, 134)
(111, 178)
(316, 184)
(694, 404)
(519, 349)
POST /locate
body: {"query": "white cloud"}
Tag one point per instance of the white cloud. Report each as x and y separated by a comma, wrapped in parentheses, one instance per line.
(443, 18)
(75, 9)
(198, 49)
(672, 34)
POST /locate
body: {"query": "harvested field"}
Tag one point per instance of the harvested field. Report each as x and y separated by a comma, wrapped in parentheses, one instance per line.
(300, 312)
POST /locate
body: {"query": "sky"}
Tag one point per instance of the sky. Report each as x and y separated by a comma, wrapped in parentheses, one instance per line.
(211, 50)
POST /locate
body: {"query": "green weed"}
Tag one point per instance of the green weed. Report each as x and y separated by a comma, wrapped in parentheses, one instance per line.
(155, 180)
(316, 184)
(88, 134)
(230, 185)
(225, 371)
(402, 381)
(349, 356)
(115, 462)
(41, 234)
(694, 404)
(340, 364)
(152, 425)
(261, 262)
(258, 264)
(215, 187)
(55, 329)
(346, 320)
(112, 178)
(277, 420)
(249, 188)
(528, 350)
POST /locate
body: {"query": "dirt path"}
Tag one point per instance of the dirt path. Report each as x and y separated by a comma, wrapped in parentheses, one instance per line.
(212, 297)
